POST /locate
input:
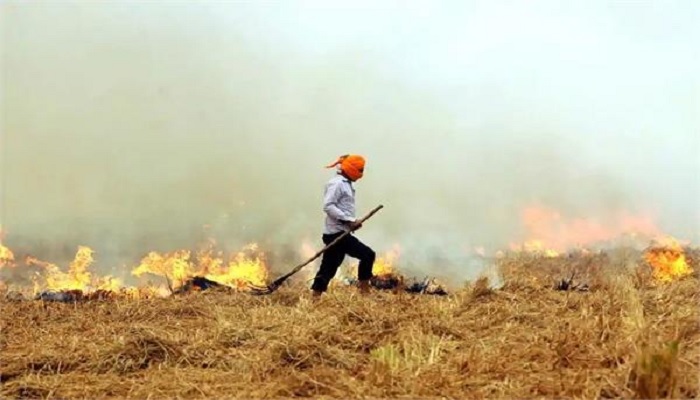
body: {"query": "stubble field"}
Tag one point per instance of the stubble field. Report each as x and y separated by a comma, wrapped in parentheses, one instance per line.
(626, 336)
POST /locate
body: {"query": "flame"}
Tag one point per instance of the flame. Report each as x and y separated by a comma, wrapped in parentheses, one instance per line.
(208, 259)
(77, 278)
(174, 266)
(667, 260)
(241, 269)
(6, 256)
(109, 283)
(244, 268)
(550, 233)
(384, 265)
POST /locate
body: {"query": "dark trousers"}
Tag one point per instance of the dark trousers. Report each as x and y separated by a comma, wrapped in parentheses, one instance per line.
(333, 258)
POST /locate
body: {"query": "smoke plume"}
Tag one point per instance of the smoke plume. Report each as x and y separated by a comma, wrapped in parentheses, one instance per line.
(128, 127)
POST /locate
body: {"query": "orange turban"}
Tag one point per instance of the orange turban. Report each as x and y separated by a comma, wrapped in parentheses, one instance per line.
(353, 166)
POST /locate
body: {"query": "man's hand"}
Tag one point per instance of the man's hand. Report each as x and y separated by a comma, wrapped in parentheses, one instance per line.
(355, 225)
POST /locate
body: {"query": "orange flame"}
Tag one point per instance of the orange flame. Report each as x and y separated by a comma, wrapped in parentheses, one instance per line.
(667, 260)
(77, 278)
(174, 266)
(384, 266)
(244, 268)
(109, 283)
(550, 233)
(6, 256)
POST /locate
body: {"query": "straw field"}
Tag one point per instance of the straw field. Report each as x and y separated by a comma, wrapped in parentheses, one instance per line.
(627, 336)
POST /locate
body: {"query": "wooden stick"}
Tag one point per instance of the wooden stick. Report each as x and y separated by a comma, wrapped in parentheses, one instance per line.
(277, 282)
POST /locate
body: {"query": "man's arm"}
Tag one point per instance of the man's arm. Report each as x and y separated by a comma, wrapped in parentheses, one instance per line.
(330, 201)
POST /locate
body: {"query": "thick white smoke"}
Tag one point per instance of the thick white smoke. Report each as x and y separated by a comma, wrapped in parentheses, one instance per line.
(128, 126)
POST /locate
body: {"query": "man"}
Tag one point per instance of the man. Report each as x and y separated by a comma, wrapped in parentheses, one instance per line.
(339, 206)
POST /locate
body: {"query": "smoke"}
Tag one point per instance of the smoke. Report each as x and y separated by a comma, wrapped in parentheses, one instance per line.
(129, 126)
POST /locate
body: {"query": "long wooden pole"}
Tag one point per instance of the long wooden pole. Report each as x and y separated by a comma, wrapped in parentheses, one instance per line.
(277, 282)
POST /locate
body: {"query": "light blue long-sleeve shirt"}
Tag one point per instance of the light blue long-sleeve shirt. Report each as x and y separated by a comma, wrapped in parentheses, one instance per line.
(339, 205)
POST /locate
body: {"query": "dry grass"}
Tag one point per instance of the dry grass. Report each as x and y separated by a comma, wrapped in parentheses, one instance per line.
(626, 337)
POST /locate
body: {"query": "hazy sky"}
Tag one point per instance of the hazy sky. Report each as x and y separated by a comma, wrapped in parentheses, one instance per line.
(129, 125)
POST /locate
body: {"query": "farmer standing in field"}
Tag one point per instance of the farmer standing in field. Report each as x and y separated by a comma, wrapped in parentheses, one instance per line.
(339, 206)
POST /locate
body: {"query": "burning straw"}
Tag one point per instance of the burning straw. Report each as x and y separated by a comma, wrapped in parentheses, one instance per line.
(523, 340)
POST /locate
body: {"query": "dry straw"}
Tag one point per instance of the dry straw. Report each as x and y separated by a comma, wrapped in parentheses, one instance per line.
(625, 337)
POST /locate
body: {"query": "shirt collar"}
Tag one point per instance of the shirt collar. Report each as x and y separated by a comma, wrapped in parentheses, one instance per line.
(344, 178)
